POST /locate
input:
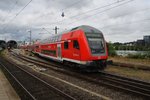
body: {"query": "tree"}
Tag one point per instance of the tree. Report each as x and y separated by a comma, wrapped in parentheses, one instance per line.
(111, 49)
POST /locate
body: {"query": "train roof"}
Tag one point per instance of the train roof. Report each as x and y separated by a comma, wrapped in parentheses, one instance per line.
(86, 28)
(57, 37)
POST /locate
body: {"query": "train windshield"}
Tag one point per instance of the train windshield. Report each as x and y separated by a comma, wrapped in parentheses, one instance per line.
(96, 43)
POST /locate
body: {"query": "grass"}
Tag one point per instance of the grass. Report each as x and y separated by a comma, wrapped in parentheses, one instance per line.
(1, 52)
(138, 74)
(130, 60)
(139, 56)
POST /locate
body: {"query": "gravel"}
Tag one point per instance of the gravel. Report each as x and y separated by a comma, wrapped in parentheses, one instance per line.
(74, 91)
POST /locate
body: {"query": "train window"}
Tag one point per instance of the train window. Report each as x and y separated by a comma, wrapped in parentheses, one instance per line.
(66, 45)
(75, 44)
(96, 45)
(49, 52)
(37, 47)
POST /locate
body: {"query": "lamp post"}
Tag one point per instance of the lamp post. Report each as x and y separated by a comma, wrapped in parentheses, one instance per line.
(30, 36)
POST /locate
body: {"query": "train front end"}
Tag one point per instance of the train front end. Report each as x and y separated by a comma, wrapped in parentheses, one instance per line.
(97, 48)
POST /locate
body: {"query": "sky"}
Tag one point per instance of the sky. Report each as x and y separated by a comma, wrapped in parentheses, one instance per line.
(119, 20)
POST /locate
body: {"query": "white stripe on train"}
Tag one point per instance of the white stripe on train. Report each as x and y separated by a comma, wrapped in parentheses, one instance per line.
(62, 59)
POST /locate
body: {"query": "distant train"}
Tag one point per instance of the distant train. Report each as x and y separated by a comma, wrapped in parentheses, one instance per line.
(12, 44)
(2, 44)
(82, 46)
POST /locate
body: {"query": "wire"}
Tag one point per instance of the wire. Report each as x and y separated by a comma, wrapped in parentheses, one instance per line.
(102, 11)
(64, 9)
(18, 13)
(97, 9)
(23, 7)
(127, 13)
(90, 11)
(72, 5)
(137, 21)
(11, 10)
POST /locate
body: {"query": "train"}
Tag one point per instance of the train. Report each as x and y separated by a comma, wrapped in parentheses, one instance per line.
(2, 44)
(83, 46)
(11, 44)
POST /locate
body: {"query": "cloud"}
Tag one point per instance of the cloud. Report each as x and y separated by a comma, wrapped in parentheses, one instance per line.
(118, 24)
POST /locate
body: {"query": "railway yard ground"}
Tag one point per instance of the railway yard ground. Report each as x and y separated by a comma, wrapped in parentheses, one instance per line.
(129, 62)
(145, 62)
(77, 85)
(129, 72)
(135, 68)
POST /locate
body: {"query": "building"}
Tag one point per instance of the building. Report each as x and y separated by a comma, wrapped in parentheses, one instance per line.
(146, 40)
(140, 42)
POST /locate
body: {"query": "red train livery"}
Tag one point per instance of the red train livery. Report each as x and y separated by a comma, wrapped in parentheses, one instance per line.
(83, 46)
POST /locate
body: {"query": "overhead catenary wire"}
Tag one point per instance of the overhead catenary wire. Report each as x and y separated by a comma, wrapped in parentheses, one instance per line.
(96, 9)
(23, 8)
(103, 11)
(137, 21)
(18, 13)
(68, 6)
(10, 10)
(129, 13)
(62, 9)
(53, 23)
(71, 5)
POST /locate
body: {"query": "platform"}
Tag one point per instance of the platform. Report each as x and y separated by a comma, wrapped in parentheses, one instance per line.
(6, 90)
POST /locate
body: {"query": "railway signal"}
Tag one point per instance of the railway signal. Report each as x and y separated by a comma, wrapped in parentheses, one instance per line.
(56, 28)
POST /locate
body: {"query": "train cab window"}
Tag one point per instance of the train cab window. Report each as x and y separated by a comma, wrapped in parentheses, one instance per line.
(65, 45)
(75, 44)
(37, 47)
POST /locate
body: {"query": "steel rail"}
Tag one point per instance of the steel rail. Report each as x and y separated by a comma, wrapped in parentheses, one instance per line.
(44, 83)
(129, 85)
(29, 95)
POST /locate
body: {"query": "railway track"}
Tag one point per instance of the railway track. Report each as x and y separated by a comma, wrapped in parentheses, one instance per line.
(30, 87)
(136, 87)
(132, 86)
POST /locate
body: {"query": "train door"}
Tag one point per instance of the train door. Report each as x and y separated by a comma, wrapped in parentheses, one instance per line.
(59, 51)
(76, 50)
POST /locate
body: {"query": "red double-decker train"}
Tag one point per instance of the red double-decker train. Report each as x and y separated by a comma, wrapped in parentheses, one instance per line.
(83, 46)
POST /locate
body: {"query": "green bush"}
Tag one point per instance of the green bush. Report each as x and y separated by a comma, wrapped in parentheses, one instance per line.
(147, 55)
(140, 56)
(111, 50)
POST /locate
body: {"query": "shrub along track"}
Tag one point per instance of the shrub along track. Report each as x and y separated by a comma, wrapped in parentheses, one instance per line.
(132, 86)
